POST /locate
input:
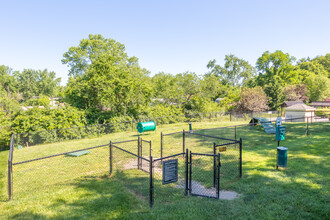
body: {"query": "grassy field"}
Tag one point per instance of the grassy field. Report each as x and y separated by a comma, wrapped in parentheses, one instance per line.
(81, 187)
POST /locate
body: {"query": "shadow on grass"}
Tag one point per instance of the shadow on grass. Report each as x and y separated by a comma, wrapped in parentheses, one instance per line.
(105, 198)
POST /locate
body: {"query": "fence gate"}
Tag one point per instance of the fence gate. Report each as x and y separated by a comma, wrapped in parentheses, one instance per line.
(203, 174)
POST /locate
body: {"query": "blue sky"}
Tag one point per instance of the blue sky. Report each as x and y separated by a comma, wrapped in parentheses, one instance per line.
(166, 36)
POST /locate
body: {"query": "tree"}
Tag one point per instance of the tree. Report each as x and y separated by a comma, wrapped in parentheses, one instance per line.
(277, 64)
(253, 99)
(315, 77)
(27, 83)
(47, 83)
(296, 92)
(79, 58)
(166, 89)
(8, 102)
(324, 61)
(5, 130)
(123, 89)
(211, 87)
(318, 87)
(7, 79)
(235, 71)
(190, 84)
(37, 82)
(312, 66)
(274, 90)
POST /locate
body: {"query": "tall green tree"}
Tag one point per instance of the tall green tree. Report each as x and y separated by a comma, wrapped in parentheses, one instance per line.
(123, 88)
(37, 82)
(211, 87)
(190, 84)
(318, 87)
(315, 77)
(80, 57)
(324, 61)
(166, 89)
(275, 91)
(7, 79)
(277, 64)
(234, 72)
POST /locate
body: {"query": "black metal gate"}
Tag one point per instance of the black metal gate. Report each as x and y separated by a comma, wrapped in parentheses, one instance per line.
(203, 174)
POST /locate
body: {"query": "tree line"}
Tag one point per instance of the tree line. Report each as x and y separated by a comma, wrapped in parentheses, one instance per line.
(106, 84)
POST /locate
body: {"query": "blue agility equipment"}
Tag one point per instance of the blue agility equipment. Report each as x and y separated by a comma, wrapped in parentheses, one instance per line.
(265, 123)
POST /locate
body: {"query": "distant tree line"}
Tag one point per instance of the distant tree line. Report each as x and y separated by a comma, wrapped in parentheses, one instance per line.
(105, 84)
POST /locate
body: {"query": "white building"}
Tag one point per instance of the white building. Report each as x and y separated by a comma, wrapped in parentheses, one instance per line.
(299, 113)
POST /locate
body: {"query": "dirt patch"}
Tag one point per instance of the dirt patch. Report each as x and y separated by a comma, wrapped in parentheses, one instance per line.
(132, 164)
(198, 188)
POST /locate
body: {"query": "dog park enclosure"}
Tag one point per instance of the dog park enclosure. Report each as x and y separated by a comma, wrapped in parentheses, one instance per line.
(203, 164)
(138, 165)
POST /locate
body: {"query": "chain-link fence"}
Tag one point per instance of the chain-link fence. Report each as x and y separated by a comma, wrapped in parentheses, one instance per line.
(158, 179)
(204, 175)
(206, 152)
(74, 133)
(169, 178)
(52, 171)
(130, 165)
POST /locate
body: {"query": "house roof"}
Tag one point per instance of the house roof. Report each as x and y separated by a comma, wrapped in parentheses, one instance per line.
(290, 103)
(219, 99)
(321, 104)
(300, 107)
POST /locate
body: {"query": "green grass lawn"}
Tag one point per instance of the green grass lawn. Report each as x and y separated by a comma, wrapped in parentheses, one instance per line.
(80, 187)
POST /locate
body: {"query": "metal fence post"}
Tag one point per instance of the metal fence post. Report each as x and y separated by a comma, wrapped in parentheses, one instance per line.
(151, 187)
(10, 167)
(235, 133)
(110, 158)
(218, 176)
(307, 129)
(240, 157)
(149, 149)
(183, 141)
(138, 151)
(214, 165)
(9, 179)
(186, 174)
(190, 162)
(161, 145)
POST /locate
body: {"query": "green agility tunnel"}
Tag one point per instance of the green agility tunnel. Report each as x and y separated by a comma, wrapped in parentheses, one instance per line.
(146, 126)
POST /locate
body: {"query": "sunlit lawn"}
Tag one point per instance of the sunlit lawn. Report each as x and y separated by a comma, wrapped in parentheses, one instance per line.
(299, 191)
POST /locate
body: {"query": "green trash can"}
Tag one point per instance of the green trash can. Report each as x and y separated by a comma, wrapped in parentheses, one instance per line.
(282, 157)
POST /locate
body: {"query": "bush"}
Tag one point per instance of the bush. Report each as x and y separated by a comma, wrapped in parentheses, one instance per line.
(39, 124)
(5, 130)
(322, 111)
